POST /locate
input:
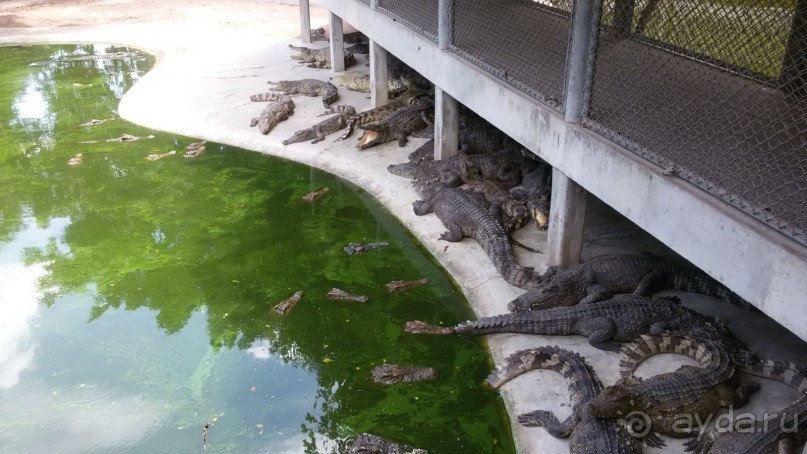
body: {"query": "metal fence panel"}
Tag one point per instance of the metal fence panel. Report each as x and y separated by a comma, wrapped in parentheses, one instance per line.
(521, 42)
(715, 92)
(419, 15)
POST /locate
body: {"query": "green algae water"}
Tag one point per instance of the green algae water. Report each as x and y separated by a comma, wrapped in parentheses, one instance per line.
(136, 295)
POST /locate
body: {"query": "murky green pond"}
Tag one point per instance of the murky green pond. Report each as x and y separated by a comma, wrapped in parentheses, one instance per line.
(136, 295)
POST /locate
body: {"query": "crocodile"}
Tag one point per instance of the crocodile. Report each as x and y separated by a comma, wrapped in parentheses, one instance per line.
(671, 402)
(319, 131)
(781, 432)
(285, 306)
(586, 434)
(463, 214)
(608, 323)
(341, 295)
(307, 87)
(314, 195)
(373, 444)
(319, 58)
(452, 169)
(280, 108)
(601, 277)
(389, 374)
(361, 83)
(368, 116)
(361, 248)
(400, 286)
(319, 34)
(156, 156)
(513, 213)
(194, 149)
(397, 125)
(421, 327)
(475, 136)
(536, 190)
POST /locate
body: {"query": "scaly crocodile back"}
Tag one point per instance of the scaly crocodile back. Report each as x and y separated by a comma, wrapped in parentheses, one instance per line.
(782, 371)
(647, 345)
(458, 206)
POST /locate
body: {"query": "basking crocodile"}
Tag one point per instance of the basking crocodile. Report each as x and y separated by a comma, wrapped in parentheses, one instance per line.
(608, 323)
(389, 374)
(368, 116)
(504, 166)
(665, 402)
(782, 433)
(586, 433)
(373, 444)
(601, 277)
(319, 131)
(536, 190)
(280, 108)
(463, 214)
(361, 83)
(307, 87)
(319, 58)
(398, 125)
(318, 34)
(514, 214)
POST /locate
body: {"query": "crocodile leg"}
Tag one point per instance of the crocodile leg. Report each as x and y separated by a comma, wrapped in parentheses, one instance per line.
(453, 234)
(596, 293)
(422, 207)
(650, 283)
(600, 331)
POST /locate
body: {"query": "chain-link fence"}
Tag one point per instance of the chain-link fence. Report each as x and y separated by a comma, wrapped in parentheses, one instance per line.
(419, 15)
(521, 42)
(715, 93)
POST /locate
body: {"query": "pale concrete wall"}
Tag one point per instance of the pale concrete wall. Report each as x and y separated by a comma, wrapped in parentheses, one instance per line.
(756, 262)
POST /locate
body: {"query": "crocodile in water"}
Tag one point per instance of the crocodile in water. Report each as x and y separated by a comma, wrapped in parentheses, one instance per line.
(373, 444)
(361, 248)
(389, 374)
(285, 306)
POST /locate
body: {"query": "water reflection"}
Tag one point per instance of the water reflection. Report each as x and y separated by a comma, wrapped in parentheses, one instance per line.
(157, 280)
(20, 294)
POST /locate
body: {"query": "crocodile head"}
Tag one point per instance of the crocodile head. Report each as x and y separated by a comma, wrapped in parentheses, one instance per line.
(426, 189)
(553, 292)
(539, 210)
(616, 401)
(374, 135)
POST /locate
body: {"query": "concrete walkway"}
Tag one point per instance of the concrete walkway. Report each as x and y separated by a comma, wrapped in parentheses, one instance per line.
(212, 56)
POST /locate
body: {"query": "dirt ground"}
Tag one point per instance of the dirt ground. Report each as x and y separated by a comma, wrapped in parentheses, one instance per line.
(58, 13)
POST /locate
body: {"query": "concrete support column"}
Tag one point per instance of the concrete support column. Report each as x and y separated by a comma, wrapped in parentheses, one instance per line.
(337, 44)
(379, 93)
(305, 22)
(566, 216)
(580, 59)
(446, 124)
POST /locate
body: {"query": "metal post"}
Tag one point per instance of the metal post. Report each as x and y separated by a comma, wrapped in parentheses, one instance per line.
(305, 22)
(374, 4)
(794, 66)
(445, 23)
(567, 214)
(623, 16)
(337, 44)
(446, 125)
(580, 59)
(379, 93)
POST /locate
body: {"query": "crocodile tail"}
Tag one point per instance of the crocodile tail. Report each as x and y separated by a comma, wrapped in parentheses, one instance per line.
(708, 353)
(581, 377)
(330, 96)
(269, 96)
(533, 322)
(782, 371)
(688, 279)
